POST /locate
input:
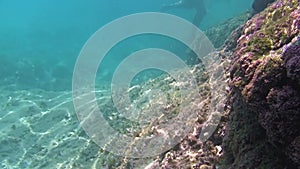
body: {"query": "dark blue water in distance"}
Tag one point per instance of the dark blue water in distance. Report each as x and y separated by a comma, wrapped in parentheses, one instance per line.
(41, 39)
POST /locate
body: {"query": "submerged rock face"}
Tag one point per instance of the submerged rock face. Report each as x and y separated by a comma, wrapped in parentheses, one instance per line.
(263, 131)
(221, 33)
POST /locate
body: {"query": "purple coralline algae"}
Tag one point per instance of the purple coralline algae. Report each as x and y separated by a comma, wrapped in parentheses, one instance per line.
(263, 128)
(291, 60)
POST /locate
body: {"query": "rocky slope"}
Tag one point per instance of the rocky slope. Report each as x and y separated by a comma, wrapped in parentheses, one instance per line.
(263, 128)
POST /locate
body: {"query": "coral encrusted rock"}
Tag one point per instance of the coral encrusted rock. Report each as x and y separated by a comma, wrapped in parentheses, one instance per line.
(263, 128)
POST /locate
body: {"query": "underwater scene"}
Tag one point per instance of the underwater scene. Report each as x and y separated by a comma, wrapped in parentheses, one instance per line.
(161, 84)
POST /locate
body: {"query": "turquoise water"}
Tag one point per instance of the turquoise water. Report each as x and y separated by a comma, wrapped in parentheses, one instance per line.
(40, 42)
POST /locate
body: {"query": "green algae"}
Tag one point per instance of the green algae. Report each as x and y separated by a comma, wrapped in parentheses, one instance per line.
(260, 46)
(274, 32)
(272, 63)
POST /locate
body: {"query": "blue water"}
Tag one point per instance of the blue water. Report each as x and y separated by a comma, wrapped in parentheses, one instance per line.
(40, 40)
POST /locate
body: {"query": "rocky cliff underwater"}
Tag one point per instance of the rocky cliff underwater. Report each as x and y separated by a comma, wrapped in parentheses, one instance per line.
(263, 127)
(259, 101)
(260, 124)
